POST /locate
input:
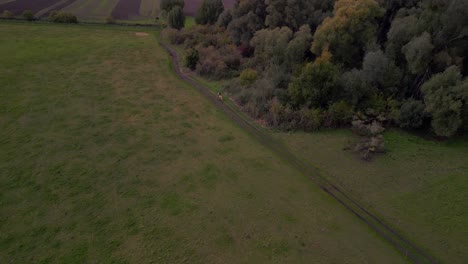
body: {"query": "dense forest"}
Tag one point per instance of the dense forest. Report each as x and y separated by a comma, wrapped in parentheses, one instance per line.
(307, 64)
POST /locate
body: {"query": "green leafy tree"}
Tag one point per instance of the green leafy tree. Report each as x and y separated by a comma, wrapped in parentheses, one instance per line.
(356, 87)
(381, 72)
(28, 15)
(298, 46)
(248, 76)
(176, 18)
(209, 12)
(418, 53)
(317, 85)
(412, 114)
(270, 45)
(167, 5)
(352, 26)
(62, 17)
(402, 30)
(446, 98)
(224, 18)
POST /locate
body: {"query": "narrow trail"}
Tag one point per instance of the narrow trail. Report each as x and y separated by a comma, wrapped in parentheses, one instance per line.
(384, 230)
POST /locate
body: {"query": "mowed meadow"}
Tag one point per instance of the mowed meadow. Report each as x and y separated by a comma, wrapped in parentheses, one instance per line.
(99, 10)
(107, 157)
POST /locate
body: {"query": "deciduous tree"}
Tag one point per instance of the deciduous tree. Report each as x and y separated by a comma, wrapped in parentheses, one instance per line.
(446, 97)
(352, 26)
(209, 12)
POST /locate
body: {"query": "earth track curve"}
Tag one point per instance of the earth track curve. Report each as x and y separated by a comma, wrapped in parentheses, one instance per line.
(384, 230)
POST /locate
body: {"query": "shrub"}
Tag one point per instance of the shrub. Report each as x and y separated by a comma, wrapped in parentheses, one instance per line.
(191, 60)
(366, 129)
(339, 114)
(8, 14)
(218, 63)
(212, 68)
(248, 76)
(62, 17)
(310, 119)
(28, 15)
(110, 20)
(411, 114)
(167, 5)
(174, 36)
(317, 85)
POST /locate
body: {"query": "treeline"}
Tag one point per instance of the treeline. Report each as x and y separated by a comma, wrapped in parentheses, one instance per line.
(54, 16)
(307, 64)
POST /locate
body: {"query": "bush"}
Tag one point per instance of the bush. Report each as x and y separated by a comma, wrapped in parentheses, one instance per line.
(28, 15)
(218, 63)
(110, 20)
(412, 114)
(367, 147)
(8, 14)
(248, 76)
(366, 129)
(339, 114)
(310, 119)
(191, 60)
(62, 17)
(175, 37)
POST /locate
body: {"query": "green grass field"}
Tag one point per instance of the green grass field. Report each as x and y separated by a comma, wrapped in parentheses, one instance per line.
(107, 157)
(419, 186)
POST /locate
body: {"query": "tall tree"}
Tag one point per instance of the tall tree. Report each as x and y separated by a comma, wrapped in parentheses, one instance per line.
(317, 86)
(176, 18)
(270, 45)
(352, 27)
(167, 5)
(418, 53)
(446, 98)
(248, 16)
(209, 12)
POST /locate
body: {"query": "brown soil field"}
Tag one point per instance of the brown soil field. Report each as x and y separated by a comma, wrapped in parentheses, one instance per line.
(126, 9)
(59, 7)
(18, 6)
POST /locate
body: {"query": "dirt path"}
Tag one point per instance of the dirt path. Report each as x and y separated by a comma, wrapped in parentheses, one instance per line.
(400, 243)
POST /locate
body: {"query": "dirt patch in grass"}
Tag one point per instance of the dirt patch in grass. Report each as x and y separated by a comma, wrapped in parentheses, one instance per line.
(141, 34)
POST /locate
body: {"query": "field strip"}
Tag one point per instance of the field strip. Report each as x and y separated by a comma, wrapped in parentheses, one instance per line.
(126, 9)
(146, 7)
(51, 8)
(5, 1)
(155, 9)
(106, 7)
(398, 241)
(18, 6)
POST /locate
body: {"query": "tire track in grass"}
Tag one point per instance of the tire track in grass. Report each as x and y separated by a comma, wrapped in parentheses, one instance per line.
(384, 230)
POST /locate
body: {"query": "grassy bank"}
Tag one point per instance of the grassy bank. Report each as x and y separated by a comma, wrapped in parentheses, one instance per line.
(418, 186)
